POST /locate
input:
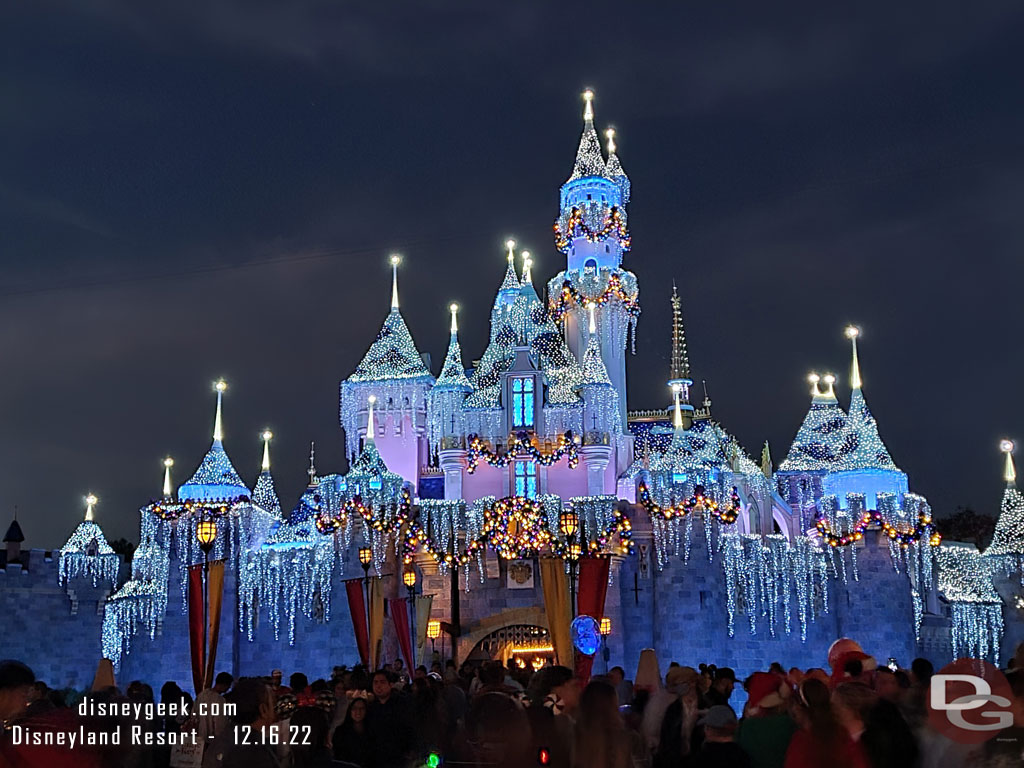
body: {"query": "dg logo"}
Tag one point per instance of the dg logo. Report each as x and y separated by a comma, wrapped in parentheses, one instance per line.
(969, 701)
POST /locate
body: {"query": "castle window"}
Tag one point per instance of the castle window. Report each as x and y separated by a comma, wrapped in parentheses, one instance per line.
(678, 478)
(607, 248)
(590, 197)
(590, 264)
(526, 478)
(522, 402)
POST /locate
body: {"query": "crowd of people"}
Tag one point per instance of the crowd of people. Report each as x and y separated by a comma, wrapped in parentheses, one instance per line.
(857, 715)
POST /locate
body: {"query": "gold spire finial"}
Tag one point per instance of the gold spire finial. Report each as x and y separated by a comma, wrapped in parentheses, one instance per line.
(610, 133)
(813, 379)
(677, 410)
(168, 489)
(591, 307)
(218, 424)
(90, 502)
(312, 466)
(454, 309)
(852, 333)
(510, 244)
(1009, 471)
(395, 261)
(527, 264)
(588, 109)
(266, 436)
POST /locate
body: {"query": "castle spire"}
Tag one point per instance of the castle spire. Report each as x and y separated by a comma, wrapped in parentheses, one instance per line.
(90, 502)
(264, 495)
(1009, 470)
(218, 424)
(266, 436)
(852, 332)
(680, 365)
(613, 168)
(168, 489)
(766, 461)
(395, 260)
(511, 282)
(677, 410)
(865, 447)
(589, 160)
(312, 465)
(527, 264)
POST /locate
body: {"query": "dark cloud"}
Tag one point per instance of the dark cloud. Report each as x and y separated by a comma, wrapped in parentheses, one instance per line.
(197, 190)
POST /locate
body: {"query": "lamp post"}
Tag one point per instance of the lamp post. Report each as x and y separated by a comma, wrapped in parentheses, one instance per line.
(365, 558)
(605, 629)
(569, 526)
(409, 579)
(433, 632)
(206, 534)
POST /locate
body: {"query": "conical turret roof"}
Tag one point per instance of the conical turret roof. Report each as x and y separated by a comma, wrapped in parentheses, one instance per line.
(613, 168)
(264, 495)
(216, 477)
(820, 437)
(393, 354)
(1008, 538)
(589, 160)
(453, 372)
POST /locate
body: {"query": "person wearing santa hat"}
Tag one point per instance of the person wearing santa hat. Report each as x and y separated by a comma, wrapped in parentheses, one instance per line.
(766, 728)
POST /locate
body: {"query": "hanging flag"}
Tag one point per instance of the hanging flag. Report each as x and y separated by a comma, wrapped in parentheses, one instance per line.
(593, 589)
(376, 623)
(215, 593)
(195, 625)
(399, 608)
(357, 610)
(556, 606)
(424, 603)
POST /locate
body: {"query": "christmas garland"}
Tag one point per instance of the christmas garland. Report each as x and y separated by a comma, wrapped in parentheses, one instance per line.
(923, 526)
(172, 510)
(570, 295)
(726, 515)
(516, 528)
(519, 444)
(328, 523)
(576, 227)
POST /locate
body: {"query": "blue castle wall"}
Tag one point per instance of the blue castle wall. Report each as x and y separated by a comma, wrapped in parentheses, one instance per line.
(54, 630)
(680, 611)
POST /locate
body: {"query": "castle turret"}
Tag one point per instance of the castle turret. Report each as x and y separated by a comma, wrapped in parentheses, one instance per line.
(591, 231)
(1008, 538)
(445, 415)
(86, 554)
(863, 464)
(395, 373)
(264, 495)
(215, 478)
(814, 450)
(13, 540)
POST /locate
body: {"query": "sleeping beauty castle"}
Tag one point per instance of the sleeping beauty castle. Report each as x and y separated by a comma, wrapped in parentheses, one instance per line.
(486, 506)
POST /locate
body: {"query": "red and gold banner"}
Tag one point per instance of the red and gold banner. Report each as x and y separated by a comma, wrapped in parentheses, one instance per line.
(593, 588)
(357, 609)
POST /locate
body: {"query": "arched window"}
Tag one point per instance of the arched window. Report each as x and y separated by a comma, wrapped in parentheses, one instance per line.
(590, 264)
(526, 478)
(522, 402)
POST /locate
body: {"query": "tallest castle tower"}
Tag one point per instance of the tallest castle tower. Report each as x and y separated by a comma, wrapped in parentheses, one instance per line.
(591, 230)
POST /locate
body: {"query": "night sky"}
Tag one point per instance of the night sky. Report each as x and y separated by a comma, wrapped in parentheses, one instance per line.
(195, 190)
